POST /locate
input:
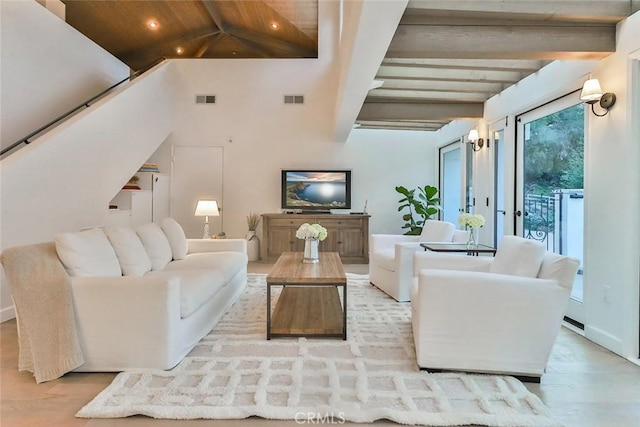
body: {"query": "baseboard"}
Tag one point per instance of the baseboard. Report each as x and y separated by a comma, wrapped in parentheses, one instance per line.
(604, 339)
(7, 313)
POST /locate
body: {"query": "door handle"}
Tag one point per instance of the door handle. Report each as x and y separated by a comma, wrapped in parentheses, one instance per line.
(501, 211)
(517, 213)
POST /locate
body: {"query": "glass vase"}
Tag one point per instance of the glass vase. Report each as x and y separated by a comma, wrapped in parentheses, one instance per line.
(472, 243)
(310, 255)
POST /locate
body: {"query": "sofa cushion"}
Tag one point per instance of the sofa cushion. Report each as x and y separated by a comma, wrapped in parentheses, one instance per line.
(175, 235)
(133, 259)
(518, 256)
(156, 244)
(227, 263)
(196, 287)
(559, 268)
(87, 253)
(385, 258)
(437, 231)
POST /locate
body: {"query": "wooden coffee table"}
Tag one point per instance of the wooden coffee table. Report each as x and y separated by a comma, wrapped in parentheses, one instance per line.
(309, 304)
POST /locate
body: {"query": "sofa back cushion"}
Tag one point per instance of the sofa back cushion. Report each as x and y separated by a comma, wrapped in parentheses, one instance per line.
(518, 256)
(87, 253)
(156, 244)
(560, 268)
(437, 231)
(175, 235)
(132, 256)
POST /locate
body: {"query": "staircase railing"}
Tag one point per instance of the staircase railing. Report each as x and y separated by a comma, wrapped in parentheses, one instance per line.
(85, 104)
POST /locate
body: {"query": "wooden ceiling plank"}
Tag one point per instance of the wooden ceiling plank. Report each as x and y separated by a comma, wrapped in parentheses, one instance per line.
(270, 42)
(258, 49)
(613, 10)
(549, 42)
(214, 12)
(168, 45)
(416, 111)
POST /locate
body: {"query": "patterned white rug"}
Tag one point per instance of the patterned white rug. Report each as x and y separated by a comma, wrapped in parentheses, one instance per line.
(234, 372)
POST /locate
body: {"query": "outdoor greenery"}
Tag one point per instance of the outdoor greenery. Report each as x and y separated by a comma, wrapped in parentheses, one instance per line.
(555, 150)
(422, 204)
(553, 159)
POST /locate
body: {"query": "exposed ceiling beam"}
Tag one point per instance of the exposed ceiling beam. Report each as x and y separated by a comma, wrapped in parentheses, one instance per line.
(465, 75)
(417, 111)
(214, 12)
(604, 10)
(521, 65)
(438, 85)
(436, 96)
(503, 42)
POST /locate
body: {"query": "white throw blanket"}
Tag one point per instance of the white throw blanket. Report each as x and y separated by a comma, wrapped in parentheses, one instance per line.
(41, 290)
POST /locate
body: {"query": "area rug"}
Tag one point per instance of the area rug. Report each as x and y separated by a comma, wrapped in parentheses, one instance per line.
(234, 372)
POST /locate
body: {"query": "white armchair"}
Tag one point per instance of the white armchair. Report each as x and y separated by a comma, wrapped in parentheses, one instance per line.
(391, 256)
(492, 315)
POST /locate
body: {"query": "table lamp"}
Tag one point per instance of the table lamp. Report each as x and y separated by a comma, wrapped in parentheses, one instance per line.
(207, 208)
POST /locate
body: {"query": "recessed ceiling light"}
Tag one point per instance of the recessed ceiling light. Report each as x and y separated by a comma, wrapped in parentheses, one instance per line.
(153, 25)
(274, 26)
(179, 50)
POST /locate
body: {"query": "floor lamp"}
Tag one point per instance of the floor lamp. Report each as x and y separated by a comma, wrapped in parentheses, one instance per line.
(207, 208)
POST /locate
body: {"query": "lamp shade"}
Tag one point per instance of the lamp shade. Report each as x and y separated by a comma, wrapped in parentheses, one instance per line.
(591, 91)
(207, 208)
(473, 135)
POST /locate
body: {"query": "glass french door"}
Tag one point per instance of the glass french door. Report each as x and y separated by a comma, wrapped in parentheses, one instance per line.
(451, 178)
(549, 204)
(500, 209)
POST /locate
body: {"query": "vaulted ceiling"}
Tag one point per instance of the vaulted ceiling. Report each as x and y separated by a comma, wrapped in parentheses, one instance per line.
(446, 58)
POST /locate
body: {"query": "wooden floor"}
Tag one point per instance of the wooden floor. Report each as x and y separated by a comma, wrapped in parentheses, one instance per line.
(585, 386)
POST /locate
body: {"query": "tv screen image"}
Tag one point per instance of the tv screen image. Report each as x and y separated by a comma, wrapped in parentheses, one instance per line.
(316, 190)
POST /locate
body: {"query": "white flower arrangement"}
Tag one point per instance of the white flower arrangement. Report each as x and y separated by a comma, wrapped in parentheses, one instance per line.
(470, 220)
(311, 231)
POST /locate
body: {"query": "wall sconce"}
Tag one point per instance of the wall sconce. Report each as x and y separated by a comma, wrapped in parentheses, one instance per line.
(592, 93)
(474, 140)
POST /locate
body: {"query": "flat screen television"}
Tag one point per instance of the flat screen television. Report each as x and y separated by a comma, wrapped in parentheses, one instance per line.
(316, 190)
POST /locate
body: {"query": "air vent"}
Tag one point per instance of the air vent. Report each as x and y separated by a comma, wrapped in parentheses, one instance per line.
(294, 99)
(205, 99)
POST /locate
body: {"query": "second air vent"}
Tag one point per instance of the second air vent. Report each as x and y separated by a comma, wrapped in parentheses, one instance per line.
(294, 99)
(205, 99)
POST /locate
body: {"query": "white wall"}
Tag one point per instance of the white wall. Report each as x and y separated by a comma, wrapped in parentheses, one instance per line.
(34, 94)
(612, 151)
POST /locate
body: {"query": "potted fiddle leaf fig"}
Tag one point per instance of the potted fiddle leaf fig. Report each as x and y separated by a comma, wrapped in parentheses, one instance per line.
(422, 203)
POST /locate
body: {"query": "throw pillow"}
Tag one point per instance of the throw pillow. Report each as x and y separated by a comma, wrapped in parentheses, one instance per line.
(156, 244)
(176, 237)
(437, 231)
(87, 253)
(132, 256)
(518, 256)
(559, 267)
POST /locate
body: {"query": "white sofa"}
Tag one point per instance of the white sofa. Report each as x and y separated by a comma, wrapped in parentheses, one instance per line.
(146, 302)
(391, 256)
(491, 315)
